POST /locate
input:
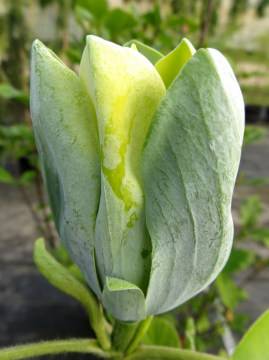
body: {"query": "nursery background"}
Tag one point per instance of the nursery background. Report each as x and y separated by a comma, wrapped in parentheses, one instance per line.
(30, 308)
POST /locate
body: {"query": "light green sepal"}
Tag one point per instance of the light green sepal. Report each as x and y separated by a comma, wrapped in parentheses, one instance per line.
(170, 65)
(124, 300)
(151, 54)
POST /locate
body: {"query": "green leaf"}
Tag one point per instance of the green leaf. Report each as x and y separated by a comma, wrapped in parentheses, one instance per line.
(260, 234)
(153, 17)
(240, 259)
(27, 177)
(8, 91)
(239, 322)
(83, 14)
(162, 333)
(17, 132)
(74, 270)
(255, 344)
(118, 20)
(189, 166)
(257, 181)
(151, 54)
(223, 354)
(250, 211)
(69, 154)
(74, 55)
(190, 333)
(60, 277)
(6, 177)
(170, 65)
(203, 323)
(253, 134)
(172, 318)
(230, 294)
(97, 8)
(61, 255)
(124, 300)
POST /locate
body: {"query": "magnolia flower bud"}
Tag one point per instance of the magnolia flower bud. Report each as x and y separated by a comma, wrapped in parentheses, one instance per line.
(139, 163)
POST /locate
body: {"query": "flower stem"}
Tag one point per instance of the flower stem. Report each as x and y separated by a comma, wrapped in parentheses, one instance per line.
(123, 334)
(141, 330)
(55, 347)
(169, 353)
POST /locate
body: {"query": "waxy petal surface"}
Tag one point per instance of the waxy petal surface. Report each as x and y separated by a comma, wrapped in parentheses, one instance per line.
(189, 165)
(67, 141)
(126, 90)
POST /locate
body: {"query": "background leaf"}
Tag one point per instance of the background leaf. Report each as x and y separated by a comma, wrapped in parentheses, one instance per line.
(255, 343)
(161, 332)
(250, 211)
(257, 181)
(190, 333)
(27, 177)
(8, 91)
(239, 260)
(260, 234)
(118, 20)
(230, 294)
(96, 8)
(253, 134)
(6, 177)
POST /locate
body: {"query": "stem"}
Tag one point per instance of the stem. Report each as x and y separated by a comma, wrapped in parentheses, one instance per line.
(141, 330)
(123, 334)
(55, 347)
(206, 21)
(30, 206)
(42, 202)
(226, 335)
(98, 324)
(66, 9)
(169, 353)
(65, 17)
(27, 199)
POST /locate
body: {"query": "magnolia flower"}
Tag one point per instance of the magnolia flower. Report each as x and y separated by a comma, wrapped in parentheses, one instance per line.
(139, 155)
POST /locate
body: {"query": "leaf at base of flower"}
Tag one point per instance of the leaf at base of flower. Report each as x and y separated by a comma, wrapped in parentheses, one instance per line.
(60, 277)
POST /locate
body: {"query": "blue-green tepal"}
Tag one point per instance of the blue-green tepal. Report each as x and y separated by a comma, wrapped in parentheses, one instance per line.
(139, 155)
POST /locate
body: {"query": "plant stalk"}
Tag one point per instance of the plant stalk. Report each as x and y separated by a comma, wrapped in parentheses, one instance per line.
(209, 6)
(55, 347)
(141, 330)
(169, 353)
(123, 333)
